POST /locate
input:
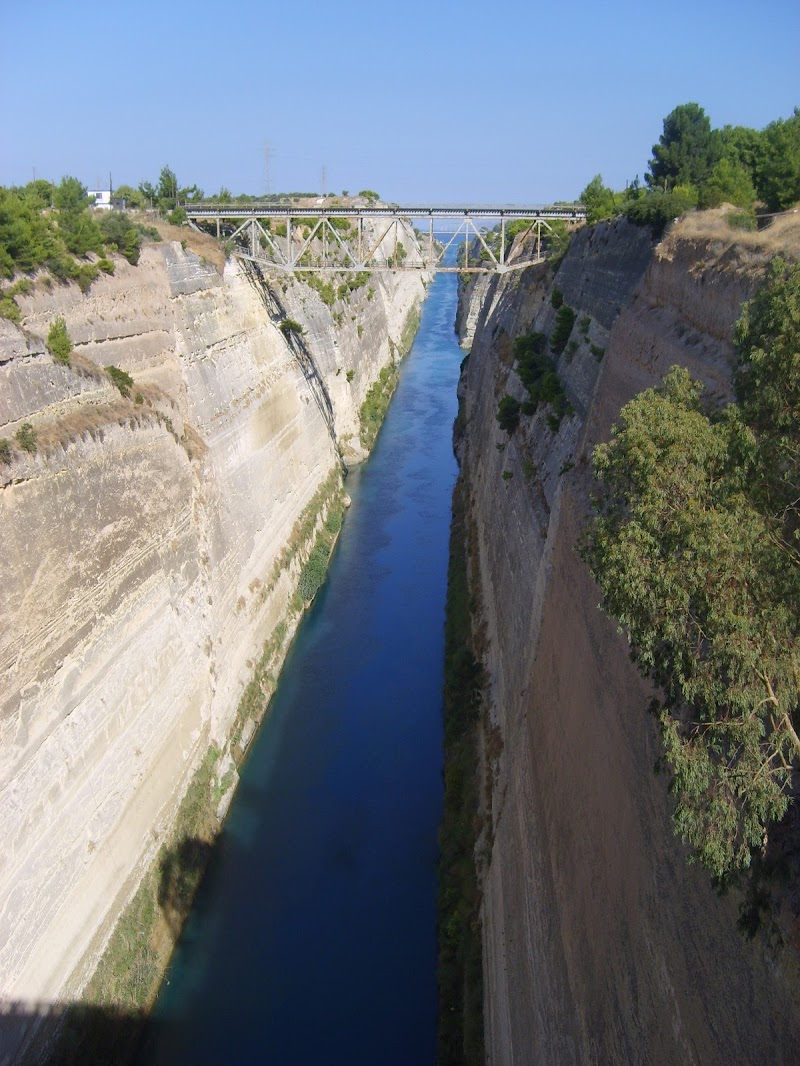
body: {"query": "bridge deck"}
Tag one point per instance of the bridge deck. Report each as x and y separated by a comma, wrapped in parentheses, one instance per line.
(255, 209)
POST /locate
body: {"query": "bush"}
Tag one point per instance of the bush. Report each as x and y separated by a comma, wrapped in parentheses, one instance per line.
(58, 342)
(87, 273)
(556, 298)
(5, 450)
(119, 233)
(742, 220)
(657, 208)
(288, 325)
(313, 573)
(8, 308)
(565, 320)
(106, 265)
(26, 437)
(350, 375)
(123, 381)
(508, 414)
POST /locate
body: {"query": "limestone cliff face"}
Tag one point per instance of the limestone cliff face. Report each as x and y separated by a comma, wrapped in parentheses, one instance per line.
(600, 943)
(142, 561)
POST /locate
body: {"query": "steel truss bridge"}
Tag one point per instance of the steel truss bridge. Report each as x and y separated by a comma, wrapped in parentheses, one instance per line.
(290, 238)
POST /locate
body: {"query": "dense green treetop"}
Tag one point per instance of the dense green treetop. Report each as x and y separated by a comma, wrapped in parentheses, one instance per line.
(686, 151)
(694, 544)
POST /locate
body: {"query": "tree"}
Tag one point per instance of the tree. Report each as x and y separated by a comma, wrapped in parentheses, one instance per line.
(600, 201)
(694, 544)
(148, 191)
(778, 178)
(167, 186)
(729, 182)
(768, 390)
(687, 149)
(744, 146)
(70, 196)
(131, 197)
(191, 193)
(369, 195)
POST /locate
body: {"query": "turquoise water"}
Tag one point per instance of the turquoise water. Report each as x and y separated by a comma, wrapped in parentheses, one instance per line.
(314, 936)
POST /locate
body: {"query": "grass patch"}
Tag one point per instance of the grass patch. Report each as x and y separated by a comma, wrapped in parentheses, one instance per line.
(329, 495)
(409, 330)
(460, 969)
(375, 405)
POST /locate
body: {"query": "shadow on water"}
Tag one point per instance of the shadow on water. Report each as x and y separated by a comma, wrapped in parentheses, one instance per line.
(180, 871)
(77, 1034)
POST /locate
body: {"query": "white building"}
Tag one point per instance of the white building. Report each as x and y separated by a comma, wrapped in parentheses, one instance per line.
(102, 199)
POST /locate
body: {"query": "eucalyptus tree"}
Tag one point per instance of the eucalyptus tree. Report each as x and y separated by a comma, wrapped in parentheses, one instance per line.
(695, 544)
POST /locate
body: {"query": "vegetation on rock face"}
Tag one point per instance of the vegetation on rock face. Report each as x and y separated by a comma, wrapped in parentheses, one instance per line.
(695, 544)
(121, 379)
(376, 403)
(565, 320)
(26, 437)
(538, 373)
(289, 326)
(59, 343)
(508, 414)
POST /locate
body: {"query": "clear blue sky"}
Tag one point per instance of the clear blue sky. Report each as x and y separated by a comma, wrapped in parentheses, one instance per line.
(506, 101)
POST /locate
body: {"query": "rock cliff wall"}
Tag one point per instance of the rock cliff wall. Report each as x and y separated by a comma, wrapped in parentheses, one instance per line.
(150, 549)
(600, 943)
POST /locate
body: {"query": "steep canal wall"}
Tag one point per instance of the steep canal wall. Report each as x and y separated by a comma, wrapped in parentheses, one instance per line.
(600, 943)
(153, 543)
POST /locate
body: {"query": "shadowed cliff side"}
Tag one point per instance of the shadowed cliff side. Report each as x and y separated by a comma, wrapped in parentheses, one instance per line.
(600, 943)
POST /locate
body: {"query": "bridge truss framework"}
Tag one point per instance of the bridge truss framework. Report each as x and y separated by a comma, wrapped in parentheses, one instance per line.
(312, 241)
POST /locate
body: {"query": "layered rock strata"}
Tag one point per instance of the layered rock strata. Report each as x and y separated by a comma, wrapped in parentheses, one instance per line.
(150, 549)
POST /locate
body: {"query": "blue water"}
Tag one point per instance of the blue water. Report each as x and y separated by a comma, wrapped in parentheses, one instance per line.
(313, 941)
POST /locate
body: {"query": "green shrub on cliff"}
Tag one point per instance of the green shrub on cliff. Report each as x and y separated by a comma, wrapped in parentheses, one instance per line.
(26, 437)
(508, 414)
(121, 379)
(565, 320)
(694, 544)
(59, 343)
(289, 326)
(120, 233)
(376, 403)
(5, 450)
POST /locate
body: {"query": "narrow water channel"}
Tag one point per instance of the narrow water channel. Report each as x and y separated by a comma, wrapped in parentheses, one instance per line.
(313, 942)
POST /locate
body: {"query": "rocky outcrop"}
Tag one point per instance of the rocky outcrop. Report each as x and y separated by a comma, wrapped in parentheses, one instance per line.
(151, 548)
(600, 943)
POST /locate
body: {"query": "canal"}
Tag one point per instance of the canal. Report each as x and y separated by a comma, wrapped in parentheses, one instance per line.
(313, 940)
